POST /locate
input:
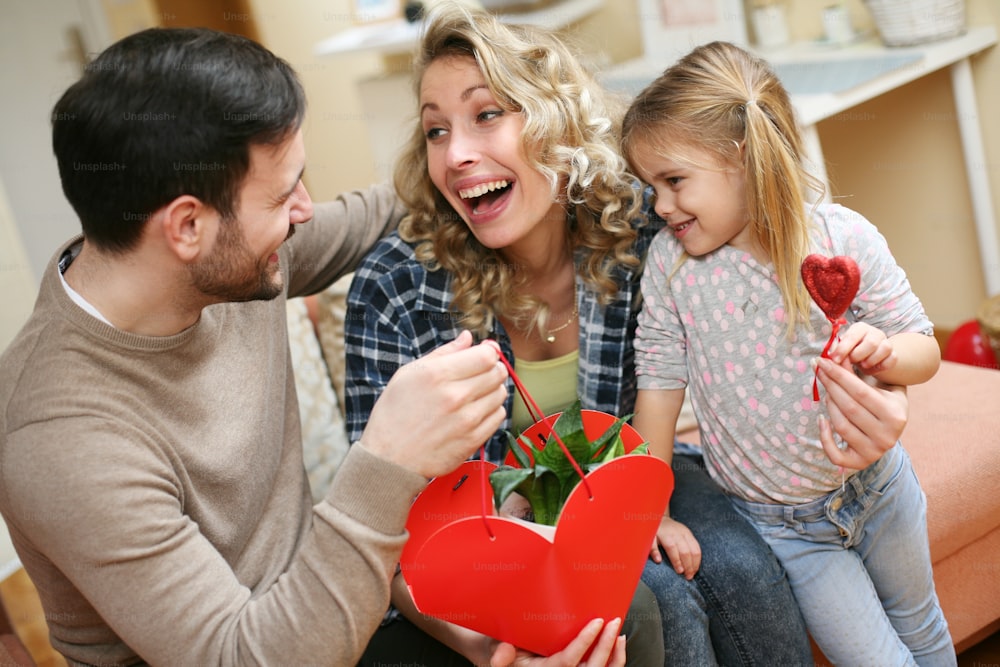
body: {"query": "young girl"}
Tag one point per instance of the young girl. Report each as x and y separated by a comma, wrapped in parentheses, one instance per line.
(726, 315)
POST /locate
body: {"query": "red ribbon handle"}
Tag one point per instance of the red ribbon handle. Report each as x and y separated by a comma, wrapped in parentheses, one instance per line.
(538, 416)
(837, 323)
(536, 413)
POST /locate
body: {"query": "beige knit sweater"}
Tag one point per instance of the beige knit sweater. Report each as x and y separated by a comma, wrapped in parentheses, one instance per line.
(155, 491)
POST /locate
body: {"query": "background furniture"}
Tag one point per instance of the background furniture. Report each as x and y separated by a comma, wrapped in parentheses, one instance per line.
(387, 98)
(824, 82)
(12, 651)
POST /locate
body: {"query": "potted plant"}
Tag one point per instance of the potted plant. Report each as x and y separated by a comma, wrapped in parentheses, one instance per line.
(542, 472)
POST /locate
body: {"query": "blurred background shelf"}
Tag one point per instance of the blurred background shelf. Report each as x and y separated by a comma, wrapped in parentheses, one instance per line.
(399, 36)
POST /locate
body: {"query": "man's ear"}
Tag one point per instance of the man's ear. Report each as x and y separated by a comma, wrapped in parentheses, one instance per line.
(188, 226)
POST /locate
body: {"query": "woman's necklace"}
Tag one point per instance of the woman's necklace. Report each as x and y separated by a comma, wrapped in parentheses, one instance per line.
(550, 337)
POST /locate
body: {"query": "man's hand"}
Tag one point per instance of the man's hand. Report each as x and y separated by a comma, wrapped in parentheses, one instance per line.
(609, 650)
(436, 410)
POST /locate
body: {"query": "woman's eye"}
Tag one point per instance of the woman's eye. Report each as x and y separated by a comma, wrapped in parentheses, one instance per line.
(489, 115)
(433, 133)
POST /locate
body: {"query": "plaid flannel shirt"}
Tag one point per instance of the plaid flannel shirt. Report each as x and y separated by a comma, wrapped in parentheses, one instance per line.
(398, 310)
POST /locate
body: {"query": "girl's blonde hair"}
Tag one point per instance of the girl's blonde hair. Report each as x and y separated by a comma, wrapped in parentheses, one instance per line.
(570, 135)
(721, 99)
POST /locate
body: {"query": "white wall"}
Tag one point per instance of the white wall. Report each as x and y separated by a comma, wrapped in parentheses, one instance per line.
(18, 289)
(40, 52)
(17, 282)
(339, 154)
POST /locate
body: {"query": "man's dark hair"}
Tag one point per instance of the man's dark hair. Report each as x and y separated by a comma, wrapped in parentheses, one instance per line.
(163, 113)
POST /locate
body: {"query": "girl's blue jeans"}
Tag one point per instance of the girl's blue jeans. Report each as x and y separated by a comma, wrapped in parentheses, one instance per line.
(738, 610)
(858, 560)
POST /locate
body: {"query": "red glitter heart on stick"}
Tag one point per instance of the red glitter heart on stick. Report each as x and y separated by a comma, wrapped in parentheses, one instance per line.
(832, 282)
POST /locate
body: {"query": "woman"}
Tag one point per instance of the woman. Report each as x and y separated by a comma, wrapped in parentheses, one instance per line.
(525, 227)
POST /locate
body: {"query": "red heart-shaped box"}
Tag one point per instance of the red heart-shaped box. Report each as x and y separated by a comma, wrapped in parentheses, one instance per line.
(531, 585)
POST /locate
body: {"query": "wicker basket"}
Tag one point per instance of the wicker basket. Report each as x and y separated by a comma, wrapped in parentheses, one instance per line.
(908, 22)
(988, 316)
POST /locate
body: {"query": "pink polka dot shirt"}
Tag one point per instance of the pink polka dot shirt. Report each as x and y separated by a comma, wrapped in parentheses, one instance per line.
(717, 326)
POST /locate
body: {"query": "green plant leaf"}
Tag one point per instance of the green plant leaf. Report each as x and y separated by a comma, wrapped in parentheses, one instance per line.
(521, 455)
(548, 482)
(505, 480)
(544, 493)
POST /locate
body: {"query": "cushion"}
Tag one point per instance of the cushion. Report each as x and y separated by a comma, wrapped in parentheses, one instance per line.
(331, 308)
(953, 437)
(324, 436)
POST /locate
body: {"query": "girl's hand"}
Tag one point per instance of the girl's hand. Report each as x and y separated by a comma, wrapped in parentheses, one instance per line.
(609, 650)
(679, 544)
(869, 418)
(866, 347)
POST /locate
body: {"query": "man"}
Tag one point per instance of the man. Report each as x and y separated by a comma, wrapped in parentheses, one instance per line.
(150, 451)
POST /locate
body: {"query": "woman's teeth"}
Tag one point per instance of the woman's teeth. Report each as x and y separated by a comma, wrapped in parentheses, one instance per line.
(482, 188)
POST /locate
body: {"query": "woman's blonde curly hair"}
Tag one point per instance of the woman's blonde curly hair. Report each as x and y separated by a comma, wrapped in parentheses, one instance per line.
(571, 135)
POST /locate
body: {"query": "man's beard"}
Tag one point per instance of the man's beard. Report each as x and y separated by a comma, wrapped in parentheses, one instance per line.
(233, 273)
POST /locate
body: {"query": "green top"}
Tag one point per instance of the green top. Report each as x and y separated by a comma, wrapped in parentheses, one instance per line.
(550, 383)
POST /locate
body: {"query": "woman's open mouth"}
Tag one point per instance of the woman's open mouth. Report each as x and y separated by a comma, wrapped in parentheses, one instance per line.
(485, 198)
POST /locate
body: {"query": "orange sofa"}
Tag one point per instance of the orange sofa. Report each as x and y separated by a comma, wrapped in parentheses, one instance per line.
(953, 438)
